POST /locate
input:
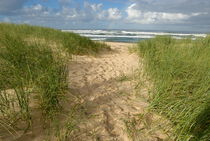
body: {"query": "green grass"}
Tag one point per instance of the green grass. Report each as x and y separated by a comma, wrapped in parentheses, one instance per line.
(123, 77)
(73, 43)
(33, 74)
(180, 71)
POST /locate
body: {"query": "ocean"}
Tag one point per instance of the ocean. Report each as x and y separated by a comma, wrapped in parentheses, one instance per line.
(131, 36)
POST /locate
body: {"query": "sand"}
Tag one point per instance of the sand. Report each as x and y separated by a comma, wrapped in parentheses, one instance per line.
(106, 86)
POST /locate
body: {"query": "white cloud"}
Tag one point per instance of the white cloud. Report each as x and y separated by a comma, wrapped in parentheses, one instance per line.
(35, 11)
(136, 15)
(67, 12)
(114, 14)
(37, 7)
(88, 13)
(93, 7)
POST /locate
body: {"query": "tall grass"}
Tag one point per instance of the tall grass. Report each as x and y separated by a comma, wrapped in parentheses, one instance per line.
(33, 62)
(180, 71)
(73, 43)
(28, 71)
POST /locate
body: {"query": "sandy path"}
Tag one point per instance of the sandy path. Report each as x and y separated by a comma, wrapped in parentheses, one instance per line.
(106, 87)
(110, 106)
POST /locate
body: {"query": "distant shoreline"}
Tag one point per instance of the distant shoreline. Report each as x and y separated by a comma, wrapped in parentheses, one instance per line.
(131, 36)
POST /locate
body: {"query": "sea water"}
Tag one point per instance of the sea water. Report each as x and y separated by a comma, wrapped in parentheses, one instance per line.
(130, 35)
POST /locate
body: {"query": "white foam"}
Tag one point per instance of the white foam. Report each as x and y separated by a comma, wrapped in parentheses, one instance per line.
(164, 33)
(104, 34)
(91, 31)
(99, 39)
(115, 36)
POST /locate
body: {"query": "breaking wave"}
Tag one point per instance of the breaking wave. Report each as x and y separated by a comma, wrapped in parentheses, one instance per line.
(129, 36)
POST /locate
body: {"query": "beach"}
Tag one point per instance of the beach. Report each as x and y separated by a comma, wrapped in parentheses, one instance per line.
(104, 70)
(62, 86)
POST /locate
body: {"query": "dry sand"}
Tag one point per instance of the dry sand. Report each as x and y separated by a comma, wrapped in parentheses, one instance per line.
(106, 87)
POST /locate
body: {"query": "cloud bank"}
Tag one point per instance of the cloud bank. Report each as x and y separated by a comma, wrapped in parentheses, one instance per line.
(137, 15)
(106, 14)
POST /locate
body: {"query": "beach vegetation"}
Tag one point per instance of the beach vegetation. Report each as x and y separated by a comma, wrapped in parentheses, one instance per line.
(33, 73)
(180, 73)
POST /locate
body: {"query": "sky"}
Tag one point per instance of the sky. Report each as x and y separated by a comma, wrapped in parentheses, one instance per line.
(161, 15)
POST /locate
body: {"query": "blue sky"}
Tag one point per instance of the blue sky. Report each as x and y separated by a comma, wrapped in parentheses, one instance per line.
(177, 15)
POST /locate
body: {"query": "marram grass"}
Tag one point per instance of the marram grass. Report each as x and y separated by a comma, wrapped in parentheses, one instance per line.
(33, 74)
(73, 43)
(180, 71)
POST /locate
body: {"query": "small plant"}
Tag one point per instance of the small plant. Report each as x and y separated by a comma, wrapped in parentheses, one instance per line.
(144, 127)
(123, 77)
(133, 49)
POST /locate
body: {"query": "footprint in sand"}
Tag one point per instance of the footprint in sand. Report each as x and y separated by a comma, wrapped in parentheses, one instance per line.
(105, 96)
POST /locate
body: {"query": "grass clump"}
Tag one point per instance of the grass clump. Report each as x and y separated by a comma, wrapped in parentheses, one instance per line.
(33, 74)
(180, 70)
(29, 71)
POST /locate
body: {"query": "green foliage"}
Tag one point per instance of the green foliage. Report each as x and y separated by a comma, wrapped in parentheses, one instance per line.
(180, 70)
